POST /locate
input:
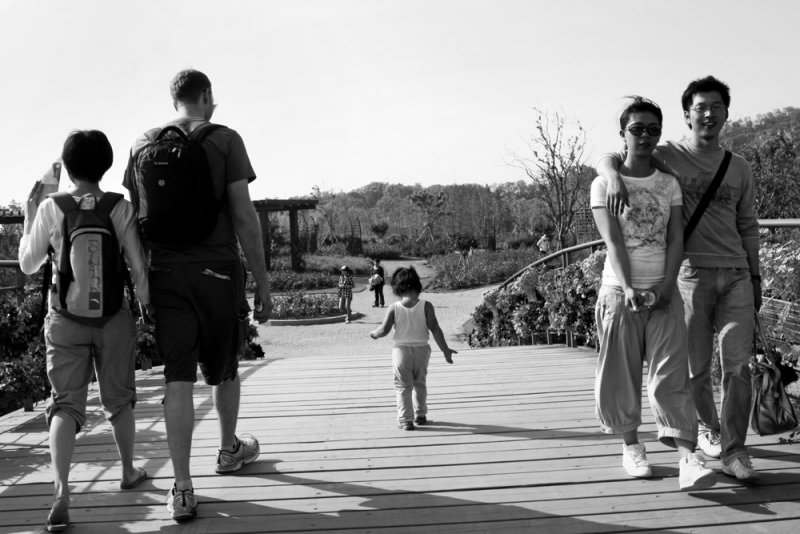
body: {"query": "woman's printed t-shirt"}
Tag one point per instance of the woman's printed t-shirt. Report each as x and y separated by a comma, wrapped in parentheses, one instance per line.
(643, 224)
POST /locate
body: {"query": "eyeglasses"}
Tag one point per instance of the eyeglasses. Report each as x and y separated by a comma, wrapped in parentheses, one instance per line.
(703, 109)
(637, 131)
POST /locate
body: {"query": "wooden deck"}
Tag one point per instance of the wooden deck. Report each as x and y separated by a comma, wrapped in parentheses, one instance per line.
(513, 446)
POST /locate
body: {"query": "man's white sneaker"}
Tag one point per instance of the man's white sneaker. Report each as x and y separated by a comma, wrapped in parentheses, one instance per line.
(694, 474)
(741, 468)
(634, 460)
(710, 443)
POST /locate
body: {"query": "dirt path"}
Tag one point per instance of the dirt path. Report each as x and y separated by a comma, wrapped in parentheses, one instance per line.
(453, 309)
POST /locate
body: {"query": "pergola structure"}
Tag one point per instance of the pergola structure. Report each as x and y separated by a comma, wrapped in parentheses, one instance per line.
(263, 207)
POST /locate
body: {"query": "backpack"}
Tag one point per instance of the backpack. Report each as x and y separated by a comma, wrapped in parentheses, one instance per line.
(91, 269)
(173, 190)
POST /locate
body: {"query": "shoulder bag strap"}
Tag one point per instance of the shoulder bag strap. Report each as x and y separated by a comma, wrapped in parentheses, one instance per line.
(709, 194)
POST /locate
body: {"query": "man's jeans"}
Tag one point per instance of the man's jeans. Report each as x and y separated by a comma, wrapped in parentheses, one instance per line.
(720, 299)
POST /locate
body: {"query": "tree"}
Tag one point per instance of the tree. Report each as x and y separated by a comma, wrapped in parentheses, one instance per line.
(432, 206)
(380, 229)
(555, 163)
(776, 170)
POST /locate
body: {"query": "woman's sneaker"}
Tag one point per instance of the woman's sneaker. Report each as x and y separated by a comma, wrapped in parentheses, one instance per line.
(634, 460)
(741, 468)
(694, 474)
(181, 504)
(244, 452)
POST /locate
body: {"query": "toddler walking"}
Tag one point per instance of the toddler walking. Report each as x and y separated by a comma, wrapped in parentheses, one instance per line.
(413, 319)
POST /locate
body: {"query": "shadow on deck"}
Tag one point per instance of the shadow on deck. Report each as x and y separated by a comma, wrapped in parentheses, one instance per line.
(512, 446)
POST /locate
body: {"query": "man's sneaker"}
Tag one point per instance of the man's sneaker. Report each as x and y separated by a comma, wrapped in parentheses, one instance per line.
(420, 420)
(741, 468)
(710, 443)
(694, 474)
(244, 452)
(405, 425)
(181, 504)
(634, 460)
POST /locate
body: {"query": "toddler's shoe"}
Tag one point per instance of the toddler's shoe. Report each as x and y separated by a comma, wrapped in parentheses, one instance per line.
(405, 425)
(634, 460)
(694, 474)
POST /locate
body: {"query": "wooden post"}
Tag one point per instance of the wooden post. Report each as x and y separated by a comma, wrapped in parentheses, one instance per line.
(19, 278)
(263, 217)
(294, 240)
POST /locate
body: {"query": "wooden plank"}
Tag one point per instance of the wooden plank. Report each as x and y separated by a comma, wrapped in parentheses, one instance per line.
(514, 447)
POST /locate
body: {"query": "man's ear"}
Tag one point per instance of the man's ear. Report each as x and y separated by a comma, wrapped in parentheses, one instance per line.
(687, 119)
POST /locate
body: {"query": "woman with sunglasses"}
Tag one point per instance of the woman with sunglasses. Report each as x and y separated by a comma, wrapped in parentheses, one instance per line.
(639, 312)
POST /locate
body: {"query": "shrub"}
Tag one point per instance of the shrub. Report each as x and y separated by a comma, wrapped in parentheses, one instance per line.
(331, 264)
(483, 268)
(541, 298)
(338, 248)
(521, 241)
(300, 305)
(23, 368)
(382, 251)
(780, 270)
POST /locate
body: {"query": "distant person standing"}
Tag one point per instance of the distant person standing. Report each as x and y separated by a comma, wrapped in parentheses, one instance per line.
(544, 245)
(197, 278)
(379, 277)
(345, 292)
(412, 319)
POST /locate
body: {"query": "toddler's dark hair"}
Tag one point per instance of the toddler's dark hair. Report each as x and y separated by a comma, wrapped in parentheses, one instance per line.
(406, 279)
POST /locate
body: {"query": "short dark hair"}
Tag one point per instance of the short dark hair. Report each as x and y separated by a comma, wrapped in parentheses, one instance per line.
(87, 155)
(639, 104)
(406, 279)
(705, 85)
(188, 85)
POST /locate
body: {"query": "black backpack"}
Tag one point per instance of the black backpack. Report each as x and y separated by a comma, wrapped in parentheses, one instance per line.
(91, 262)
(173, 190)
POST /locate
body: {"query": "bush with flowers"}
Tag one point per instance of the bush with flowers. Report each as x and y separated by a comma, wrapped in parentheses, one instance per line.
(541, 299)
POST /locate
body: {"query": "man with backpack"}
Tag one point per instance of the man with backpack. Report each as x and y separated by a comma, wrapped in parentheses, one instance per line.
(88, 325)
(189, 182)
(719, 279)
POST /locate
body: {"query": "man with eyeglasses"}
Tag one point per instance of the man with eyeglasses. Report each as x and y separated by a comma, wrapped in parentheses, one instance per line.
(719, 278)
(198, 287)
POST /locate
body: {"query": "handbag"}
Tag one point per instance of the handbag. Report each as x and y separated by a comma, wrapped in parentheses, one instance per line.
(771, 410)
(707, 196)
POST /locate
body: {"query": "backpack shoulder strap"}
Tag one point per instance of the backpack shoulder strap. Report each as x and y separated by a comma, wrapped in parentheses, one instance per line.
(202, 131)
(107, 202)
(707, 196)
(64, 201)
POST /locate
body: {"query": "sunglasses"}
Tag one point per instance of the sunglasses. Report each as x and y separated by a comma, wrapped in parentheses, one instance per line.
(637, 131)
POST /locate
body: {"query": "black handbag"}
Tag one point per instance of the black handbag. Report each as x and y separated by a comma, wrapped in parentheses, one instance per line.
(771, 410)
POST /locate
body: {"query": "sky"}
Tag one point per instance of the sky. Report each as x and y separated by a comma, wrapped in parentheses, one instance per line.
(341, 93)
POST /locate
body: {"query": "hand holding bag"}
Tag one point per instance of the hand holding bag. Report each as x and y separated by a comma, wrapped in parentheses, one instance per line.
(771, 410)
